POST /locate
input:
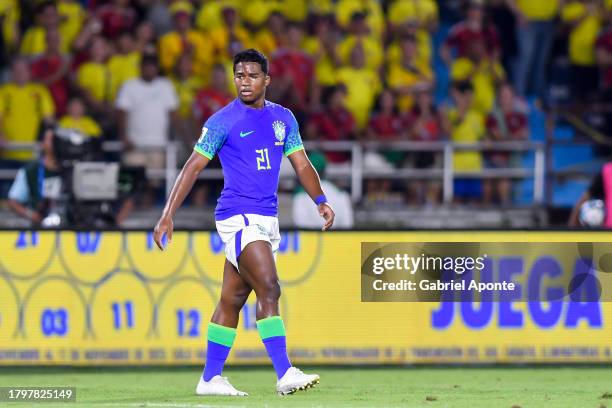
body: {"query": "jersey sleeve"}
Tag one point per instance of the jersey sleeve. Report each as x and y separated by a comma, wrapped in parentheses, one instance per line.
(213, 136)
(293, 143)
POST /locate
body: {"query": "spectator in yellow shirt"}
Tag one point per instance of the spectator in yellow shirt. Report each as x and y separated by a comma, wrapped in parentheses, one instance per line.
(482, 71)
(125, 63)
(359, 32)
(72, 17)
(393, 54)
(585, 19)
(362, 84)
(536, 32)
(230, 38)
(186, 86)
(9, 21)
(94, 78)
(34, 41)
(371, 9)
(185, 40)
(409, 75)
(24, 107)
(321, 45)
(268, 36)
(423, 12)
(209, 17)
(77, 119)
(465, 126)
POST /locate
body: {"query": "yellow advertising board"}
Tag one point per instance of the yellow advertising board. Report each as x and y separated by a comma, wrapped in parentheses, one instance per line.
(92, 298)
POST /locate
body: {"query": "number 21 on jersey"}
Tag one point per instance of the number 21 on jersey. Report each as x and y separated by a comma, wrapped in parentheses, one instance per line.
(263, 161)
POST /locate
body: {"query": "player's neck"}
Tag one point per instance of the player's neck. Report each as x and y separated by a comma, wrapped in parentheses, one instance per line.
(258, 104)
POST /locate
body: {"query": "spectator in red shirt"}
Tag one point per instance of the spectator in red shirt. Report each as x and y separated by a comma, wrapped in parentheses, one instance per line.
(386, 124)
(293, 72)
(333, 122)
(473, 28)
(215, 96)
(208, 101)
(425, 125)
(51, 68)
(506, 122)
(116, 17)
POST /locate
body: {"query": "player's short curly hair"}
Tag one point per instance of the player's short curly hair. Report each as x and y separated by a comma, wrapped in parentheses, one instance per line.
(252, 55)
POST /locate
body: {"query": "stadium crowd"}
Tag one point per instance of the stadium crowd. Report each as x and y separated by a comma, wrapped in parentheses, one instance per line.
(144, 71)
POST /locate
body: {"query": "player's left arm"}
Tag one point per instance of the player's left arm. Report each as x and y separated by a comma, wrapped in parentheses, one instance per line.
(312, 184)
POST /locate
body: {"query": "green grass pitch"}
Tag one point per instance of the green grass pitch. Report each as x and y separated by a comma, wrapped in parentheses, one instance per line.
(469, 387)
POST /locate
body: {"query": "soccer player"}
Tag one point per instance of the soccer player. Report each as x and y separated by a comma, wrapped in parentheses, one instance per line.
(250, 135)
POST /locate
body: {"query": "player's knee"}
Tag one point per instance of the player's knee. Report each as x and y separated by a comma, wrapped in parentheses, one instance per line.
(234, 301)
(272, 291)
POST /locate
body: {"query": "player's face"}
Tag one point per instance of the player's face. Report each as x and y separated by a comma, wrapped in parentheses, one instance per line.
(251, 82)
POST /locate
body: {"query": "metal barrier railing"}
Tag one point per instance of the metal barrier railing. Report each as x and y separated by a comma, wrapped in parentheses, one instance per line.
(356, 171)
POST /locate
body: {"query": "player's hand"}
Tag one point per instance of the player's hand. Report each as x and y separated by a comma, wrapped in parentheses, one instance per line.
(328, 214)
(164, 226)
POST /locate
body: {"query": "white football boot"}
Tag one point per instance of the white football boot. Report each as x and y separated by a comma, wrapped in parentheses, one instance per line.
(295, 380)
(218, 386)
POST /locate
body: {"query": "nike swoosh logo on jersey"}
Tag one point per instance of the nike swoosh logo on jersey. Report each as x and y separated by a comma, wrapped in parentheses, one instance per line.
(245, 134)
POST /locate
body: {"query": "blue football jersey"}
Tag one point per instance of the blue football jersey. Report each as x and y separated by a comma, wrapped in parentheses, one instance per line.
(251, 144)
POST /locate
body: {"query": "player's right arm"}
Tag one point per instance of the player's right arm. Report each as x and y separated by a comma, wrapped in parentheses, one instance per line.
(186, 178)
(213, 136)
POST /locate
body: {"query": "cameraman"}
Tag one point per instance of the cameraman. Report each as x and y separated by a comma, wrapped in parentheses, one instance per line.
(37, 184)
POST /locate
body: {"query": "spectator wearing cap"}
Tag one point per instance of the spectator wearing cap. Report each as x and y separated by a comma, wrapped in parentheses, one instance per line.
(24, 107)
(230, 38)
(51, 69)
(484, 72)
(371, 10)
(409, 75)
(535, 34)
(360, 33)
(146, 109)
(34, 41)
(473, 28)
(185, 40)
(362, 84)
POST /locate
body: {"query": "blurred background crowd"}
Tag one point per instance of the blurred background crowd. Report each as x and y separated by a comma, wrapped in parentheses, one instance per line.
(374, 73)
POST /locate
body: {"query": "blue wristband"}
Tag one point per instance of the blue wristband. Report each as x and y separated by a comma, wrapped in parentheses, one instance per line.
(320, 199)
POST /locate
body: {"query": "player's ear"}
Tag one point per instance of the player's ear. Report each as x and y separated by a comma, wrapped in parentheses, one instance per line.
(267, 80)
